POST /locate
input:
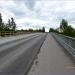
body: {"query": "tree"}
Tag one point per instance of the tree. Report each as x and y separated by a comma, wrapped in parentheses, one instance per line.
(63, 24)
(8, 26)
(1, 25)
(53, 30)
(9, 23)
(69, 31)
(43, 29)
(39, 30)
(30, 30)
(12, 24)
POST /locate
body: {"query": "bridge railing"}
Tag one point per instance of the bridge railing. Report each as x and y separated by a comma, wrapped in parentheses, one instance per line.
(10, 33)
(67, 42)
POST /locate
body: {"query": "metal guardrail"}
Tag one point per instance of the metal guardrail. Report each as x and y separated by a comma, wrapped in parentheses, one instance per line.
(67, 42)
(10, 33)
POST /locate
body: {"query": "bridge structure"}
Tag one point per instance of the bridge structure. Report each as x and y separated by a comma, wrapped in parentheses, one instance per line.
(37, 54)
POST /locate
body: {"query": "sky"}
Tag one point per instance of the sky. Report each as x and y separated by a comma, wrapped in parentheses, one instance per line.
(38, 13)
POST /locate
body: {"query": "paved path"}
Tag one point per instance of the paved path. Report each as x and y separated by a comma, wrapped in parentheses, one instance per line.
(52, 60)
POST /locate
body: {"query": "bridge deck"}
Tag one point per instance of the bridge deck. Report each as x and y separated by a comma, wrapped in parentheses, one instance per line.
(52, 60)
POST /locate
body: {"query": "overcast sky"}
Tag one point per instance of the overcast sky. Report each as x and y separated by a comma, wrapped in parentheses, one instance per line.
(38, 13)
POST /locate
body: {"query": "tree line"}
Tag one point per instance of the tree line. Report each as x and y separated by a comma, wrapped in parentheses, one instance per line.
(11, 26)
(65, 29)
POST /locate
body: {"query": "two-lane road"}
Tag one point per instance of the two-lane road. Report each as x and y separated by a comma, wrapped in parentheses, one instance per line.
(16, 57)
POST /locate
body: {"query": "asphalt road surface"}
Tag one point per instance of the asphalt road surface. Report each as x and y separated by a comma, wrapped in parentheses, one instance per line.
(17, 56)
(53, 59)
(50, 58)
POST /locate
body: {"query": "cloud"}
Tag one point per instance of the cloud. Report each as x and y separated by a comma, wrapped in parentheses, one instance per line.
(31, 23)
(30, 3)
(38, 13)
(30, 20)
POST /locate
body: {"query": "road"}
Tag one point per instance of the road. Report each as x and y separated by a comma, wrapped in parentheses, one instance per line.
(16, 56)
(50, 58)
(53, 59)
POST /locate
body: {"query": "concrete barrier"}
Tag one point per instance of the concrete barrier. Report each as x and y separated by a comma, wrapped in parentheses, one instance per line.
(67, 42)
